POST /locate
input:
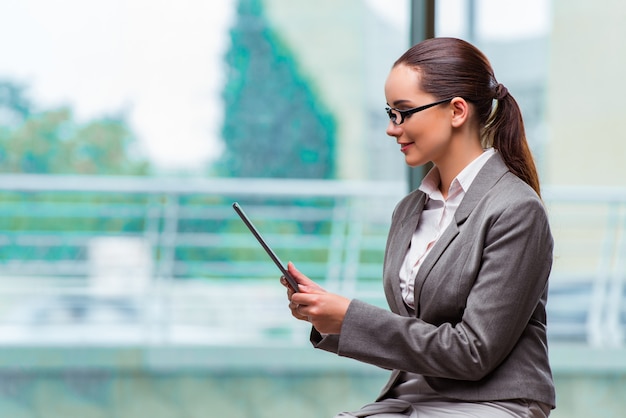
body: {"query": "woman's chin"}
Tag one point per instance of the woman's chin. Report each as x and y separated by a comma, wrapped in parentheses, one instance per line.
(413, 163)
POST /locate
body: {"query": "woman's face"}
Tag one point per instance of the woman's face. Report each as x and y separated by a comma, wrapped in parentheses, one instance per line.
(423, 136)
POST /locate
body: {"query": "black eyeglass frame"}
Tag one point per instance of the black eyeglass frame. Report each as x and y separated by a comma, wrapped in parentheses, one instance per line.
(406, 113)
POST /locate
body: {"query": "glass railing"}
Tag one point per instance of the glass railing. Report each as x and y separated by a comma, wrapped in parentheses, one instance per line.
(167, 261)
(141, 260)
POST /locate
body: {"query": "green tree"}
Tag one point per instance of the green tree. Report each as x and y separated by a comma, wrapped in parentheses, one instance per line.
(275, 124)
(104, 146)
(52, 142)
(14, 105)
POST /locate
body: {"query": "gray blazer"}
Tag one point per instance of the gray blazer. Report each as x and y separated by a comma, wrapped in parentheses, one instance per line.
(478, 332)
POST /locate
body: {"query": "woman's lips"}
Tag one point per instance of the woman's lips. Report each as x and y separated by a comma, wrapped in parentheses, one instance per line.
(405, 146)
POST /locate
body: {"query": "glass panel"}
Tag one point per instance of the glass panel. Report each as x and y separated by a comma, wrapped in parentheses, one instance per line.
(127, 130)
(563, 62)
(197, 104)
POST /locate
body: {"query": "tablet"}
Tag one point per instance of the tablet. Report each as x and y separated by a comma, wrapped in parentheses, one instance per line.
(292, 283)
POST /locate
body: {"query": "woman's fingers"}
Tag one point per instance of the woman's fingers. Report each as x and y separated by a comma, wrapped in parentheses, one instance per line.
(299, 309)
(300, 278)
(326, 311)
(296, 311)
(285, 283)
(305, 284)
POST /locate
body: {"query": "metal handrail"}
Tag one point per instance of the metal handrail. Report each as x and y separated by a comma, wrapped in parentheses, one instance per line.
(348, 226)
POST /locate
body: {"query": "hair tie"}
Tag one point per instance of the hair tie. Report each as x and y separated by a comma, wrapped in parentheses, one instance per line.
(501, 91)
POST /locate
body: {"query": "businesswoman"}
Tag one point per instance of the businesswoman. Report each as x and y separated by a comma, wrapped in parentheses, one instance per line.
(467, 258)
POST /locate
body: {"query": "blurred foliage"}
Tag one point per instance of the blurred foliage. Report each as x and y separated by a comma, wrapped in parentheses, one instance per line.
(53, 142)
(14, 105)
(275, 124)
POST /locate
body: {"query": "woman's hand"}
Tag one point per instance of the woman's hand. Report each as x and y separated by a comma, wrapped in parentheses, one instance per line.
(313, 304)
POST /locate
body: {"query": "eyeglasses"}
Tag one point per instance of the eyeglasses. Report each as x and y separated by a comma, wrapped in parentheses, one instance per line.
(396, 115)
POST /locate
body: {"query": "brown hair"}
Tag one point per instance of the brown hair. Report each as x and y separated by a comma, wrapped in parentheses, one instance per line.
(451, 67)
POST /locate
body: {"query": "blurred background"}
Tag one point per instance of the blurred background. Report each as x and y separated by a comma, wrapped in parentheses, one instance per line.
(128, 286)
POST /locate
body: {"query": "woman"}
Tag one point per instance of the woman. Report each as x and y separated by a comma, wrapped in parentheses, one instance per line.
(467, 259)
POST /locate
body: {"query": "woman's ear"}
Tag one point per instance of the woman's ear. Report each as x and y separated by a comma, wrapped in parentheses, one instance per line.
(460, 111)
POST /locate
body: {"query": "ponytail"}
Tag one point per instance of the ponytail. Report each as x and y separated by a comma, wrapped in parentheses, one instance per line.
(505, 131)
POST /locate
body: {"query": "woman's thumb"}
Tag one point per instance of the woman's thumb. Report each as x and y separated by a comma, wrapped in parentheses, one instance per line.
(301, 278)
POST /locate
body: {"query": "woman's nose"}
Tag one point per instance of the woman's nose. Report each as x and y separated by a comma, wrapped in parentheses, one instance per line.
(393, 129)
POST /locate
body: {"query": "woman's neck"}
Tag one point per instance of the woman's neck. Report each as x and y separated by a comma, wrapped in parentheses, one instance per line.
(450, 167)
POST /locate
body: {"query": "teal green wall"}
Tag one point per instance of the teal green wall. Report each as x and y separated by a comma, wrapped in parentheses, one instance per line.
(184, 394)
(238, 382)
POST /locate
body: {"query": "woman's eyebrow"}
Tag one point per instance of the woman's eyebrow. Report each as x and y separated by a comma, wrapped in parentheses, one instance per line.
(399, 103)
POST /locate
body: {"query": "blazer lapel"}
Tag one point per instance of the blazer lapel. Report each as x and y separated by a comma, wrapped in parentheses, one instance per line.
(487, 177)
(398, 243)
